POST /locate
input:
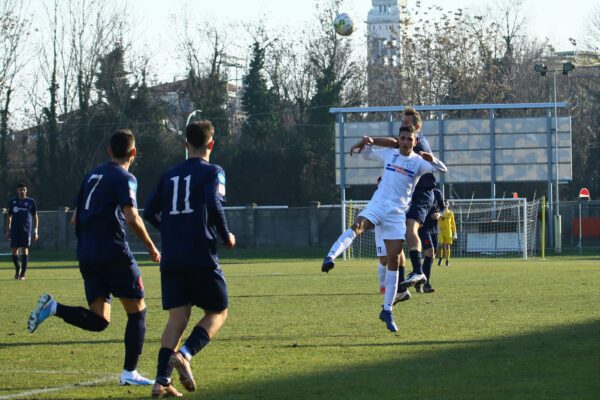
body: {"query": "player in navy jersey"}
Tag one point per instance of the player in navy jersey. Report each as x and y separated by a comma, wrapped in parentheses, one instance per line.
(186, 208)
(428, 233)
(105, 203)
(22, 227)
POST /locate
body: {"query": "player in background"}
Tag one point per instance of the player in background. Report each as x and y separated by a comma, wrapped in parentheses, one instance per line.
(402, 169)
(187, 209)
(20, 230)
(447, 234)
(105, 203)
(428, 234)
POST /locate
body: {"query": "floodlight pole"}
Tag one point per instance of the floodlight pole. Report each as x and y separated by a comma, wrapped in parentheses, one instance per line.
(557, 219)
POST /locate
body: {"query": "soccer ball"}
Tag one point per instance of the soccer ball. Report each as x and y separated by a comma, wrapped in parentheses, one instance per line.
(343, 24)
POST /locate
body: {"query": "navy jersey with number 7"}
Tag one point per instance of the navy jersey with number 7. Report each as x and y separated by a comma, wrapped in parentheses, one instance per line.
(100, 222)
(187, 208)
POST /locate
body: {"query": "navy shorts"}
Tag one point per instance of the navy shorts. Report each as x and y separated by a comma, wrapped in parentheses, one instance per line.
(19, 239)
(428, 240)
(202, 287)
(119, 279)
(420, 205)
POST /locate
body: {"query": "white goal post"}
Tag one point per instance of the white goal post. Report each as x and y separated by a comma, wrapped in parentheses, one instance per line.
(494, 228)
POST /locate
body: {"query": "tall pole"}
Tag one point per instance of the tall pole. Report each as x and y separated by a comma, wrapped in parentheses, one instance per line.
(557, 219)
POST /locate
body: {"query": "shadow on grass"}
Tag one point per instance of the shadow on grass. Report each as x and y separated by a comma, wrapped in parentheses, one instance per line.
(559, 363)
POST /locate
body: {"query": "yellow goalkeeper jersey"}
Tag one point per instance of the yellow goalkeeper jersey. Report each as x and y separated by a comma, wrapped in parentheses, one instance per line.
(446, 223)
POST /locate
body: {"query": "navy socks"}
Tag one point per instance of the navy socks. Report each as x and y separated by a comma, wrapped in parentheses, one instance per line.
(135, 332)
(415, 259)
(197, 340)
(81, 318)
(163, 371)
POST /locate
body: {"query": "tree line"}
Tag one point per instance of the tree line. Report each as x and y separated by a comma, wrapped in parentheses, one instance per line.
(277, 145)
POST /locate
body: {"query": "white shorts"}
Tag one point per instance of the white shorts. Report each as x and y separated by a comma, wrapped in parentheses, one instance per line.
(391, 219)
(379, 243)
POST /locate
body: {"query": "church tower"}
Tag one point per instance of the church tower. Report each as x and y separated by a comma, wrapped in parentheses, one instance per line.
(384, 51)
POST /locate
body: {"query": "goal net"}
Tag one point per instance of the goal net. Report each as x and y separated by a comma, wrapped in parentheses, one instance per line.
(494, 228)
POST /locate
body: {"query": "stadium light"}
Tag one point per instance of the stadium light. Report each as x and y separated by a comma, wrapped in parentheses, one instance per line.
(542, 69)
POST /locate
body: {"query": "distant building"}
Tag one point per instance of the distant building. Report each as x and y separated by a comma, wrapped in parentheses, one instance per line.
(384, 50)
(581, 59)
(22, 145)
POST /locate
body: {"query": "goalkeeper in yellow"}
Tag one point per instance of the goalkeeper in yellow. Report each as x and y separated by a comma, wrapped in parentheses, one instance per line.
(447, 234)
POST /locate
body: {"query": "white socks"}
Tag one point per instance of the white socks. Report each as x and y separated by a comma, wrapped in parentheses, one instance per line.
(343, 242)
(381, 274)
(391, 287)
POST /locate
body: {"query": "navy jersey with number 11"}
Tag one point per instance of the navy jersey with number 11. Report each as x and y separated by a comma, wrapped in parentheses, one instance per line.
(187, 208)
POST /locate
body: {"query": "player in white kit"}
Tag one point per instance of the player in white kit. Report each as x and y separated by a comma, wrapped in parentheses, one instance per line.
(402, 169)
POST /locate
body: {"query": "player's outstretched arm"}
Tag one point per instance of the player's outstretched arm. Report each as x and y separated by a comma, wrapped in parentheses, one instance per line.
(358, 147)
(135, 222)
(438, 164)
(385, 142)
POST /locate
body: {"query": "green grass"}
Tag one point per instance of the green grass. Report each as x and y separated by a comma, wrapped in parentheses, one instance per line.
(494, 329)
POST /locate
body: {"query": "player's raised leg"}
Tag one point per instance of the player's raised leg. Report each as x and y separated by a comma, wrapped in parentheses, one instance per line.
(77, 316)
(345, 240)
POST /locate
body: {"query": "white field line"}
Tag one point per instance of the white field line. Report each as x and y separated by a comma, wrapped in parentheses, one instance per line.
(44, 372)
(59, 388)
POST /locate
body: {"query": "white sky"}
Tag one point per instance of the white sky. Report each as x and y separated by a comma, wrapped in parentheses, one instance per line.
(556, 20)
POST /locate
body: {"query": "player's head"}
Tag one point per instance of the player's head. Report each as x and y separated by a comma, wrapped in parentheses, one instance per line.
(199, 135)
(406, 139)
(411, 117)
(22, 190)
(447, 203)
(122, 145)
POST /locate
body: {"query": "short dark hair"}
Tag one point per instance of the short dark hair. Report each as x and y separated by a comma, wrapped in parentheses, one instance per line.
(199, 133)
(410, 129)
(121, 142)
(21, 184)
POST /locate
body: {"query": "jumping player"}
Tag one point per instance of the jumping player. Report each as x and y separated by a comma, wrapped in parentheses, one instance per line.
(105, 202)
(402, 169)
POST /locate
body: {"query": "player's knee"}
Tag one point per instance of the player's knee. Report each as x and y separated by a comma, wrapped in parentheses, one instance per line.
(98, 324)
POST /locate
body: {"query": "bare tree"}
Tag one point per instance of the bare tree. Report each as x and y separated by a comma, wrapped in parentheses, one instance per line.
(13, 32)
(77, 35)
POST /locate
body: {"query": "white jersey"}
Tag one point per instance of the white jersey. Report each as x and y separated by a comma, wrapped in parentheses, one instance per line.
(400, 175)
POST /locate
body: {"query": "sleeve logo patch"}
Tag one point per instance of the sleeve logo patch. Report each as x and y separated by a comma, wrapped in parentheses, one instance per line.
(221, 178)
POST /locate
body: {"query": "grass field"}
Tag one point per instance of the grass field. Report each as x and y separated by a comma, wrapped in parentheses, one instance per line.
(494, 329)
